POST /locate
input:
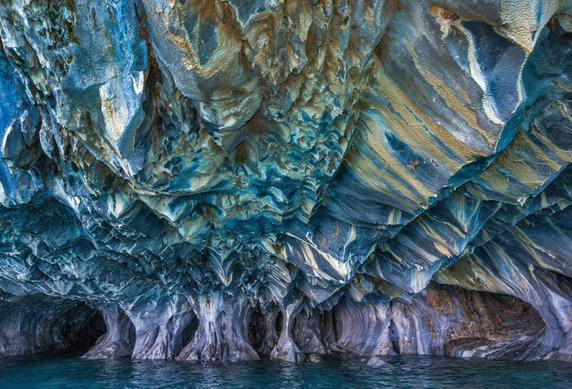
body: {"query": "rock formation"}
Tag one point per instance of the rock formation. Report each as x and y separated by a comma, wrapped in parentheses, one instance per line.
(228, 180)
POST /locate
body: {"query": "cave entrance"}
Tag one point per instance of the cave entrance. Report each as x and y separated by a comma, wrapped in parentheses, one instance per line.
(82, 327)
(264, 329)
(257, 331)
(489, 325)
(278, 324)
(185, 336)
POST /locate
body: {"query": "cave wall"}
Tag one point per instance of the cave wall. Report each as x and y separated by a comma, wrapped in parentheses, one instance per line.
(227, 180)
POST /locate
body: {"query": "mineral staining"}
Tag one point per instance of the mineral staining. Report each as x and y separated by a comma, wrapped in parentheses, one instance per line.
(228, 180)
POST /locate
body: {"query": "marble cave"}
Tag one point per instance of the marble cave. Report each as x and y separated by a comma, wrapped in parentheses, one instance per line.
(232, 180)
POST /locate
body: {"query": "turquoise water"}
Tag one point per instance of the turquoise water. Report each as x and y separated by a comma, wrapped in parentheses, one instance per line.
(399, 372)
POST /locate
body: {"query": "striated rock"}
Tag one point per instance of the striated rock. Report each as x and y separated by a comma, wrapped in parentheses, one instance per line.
(160, 326)
(229, 180)
(118, 341)
(222, 332)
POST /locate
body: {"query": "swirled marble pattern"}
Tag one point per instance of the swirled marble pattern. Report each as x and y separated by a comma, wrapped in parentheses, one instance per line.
(222, 180)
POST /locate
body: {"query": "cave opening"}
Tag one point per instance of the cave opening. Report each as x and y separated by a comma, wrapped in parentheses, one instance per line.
(394, 337)
(336, 324)
(82, 327)
(494, 325)
(278, 324)
(441, 320)
(257, 330)
(185, 336)
(328, 325)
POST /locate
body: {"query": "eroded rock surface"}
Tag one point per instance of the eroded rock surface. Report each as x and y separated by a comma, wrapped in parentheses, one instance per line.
(228, 180)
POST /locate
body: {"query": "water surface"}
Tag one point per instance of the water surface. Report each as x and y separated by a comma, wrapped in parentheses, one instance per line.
(399, 372)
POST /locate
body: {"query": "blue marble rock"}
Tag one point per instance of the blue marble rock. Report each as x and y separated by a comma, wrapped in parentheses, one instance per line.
(217, 181)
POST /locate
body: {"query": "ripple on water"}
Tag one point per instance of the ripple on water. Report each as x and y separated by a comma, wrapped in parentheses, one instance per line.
(399, 372)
